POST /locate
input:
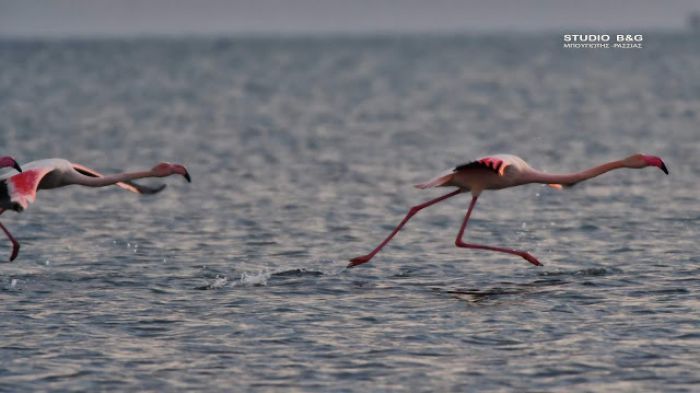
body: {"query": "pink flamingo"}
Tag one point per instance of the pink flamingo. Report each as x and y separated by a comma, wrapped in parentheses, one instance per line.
(18, 190)
(502, 171)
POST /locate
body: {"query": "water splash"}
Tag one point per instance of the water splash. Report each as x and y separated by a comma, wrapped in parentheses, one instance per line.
(260, 278)
(219, 282)
(255, 279)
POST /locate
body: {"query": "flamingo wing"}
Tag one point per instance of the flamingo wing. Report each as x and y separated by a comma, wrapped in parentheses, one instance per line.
(495, 164)
(18, 191)
(127, 185)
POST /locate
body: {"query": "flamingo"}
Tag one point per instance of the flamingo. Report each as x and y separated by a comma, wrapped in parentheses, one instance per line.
(502, 171)
(18, 190)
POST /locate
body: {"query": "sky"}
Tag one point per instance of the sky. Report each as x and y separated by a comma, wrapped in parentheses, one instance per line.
(220, 17)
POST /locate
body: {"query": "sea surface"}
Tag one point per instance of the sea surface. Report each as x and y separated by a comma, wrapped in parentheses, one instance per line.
(303, 152)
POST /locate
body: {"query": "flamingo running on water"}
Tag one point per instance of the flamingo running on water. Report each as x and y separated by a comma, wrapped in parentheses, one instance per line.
(18, 190)
(502, 171)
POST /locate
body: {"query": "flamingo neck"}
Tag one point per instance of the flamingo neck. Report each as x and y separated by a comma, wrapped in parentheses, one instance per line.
(570, 179)
(112, 179)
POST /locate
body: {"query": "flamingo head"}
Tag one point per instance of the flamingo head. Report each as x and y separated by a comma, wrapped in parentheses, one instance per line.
(644, 160)
(9, 162)
(166, 169)
(655, 161)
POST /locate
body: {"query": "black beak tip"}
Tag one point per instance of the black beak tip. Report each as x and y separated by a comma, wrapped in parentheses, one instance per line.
(663, 168)
(17, 167)
(187, 177)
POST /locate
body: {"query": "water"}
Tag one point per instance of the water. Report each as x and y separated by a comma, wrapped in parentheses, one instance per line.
(302, 153)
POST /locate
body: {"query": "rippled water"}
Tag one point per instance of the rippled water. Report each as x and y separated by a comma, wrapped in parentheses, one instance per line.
(302, 153)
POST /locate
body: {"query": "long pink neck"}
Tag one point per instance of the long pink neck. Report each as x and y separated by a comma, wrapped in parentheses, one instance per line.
(111, 179)
(573, 178)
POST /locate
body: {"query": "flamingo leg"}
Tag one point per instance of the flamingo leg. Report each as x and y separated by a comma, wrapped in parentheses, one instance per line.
(15, 243)
(415, 209)
(460, 243)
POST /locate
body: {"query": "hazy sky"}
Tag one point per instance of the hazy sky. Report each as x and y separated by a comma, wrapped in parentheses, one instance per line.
(134, 17)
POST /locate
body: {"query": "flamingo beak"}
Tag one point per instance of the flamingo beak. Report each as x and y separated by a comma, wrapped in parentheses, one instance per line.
(17, 167)
(181, 170)
(657, 162)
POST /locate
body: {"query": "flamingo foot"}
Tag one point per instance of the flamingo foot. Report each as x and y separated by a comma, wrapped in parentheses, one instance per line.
(528, 257)
(359, 260)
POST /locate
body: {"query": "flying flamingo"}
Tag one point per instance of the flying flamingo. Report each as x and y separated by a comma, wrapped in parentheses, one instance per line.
(503, 171)
(18, 190)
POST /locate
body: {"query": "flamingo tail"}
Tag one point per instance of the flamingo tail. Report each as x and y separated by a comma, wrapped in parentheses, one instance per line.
(438, 181)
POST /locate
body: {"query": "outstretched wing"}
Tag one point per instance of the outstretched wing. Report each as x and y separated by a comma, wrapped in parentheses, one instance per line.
(127, 185)
(18, 191)
(495, 164)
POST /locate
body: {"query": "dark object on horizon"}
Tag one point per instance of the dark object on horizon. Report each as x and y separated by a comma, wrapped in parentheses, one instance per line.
(694, 22)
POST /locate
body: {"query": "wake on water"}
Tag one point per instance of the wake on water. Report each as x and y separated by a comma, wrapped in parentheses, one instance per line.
(261, 278)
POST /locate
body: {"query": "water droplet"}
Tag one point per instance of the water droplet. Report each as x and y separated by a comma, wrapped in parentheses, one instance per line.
(47, 263)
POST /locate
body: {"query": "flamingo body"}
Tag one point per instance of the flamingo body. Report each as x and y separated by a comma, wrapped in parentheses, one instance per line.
(488, 173)
(501, 171)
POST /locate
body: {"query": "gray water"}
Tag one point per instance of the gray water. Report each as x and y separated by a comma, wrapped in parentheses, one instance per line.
(302, 153)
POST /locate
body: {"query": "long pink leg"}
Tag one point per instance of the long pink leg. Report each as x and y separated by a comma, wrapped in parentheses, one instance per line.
(15, 244)
(460, 243)
(415, 209)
